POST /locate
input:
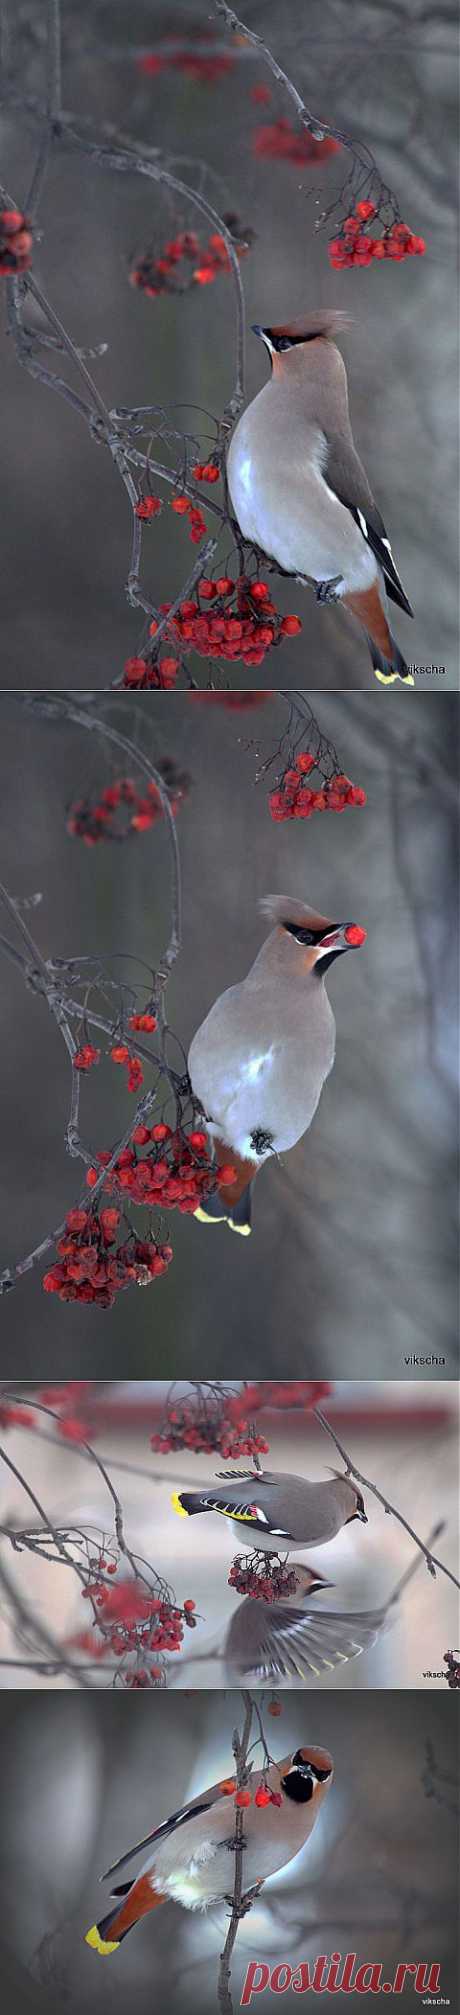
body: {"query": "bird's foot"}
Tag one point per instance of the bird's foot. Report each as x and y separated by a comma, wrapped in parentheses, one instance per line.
(247, 1900)
(329, 591)
(261, 1143)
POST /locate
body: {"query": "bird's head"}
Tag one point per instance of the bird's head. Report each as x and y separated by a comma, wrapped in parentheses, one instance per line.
(357, 1509)
(305, 1774)
(309, 1581)
(286, 339)
(321, 940)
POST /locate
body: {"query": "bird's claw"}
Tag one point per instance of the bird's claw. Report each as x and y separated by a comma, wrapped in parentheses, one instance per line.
(329, 591)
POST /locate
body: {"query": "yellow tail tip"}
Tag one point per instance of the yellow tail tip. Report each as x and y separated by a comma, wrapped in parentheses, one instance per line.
(177, 1506)
(243, 1229)
(103, 1945)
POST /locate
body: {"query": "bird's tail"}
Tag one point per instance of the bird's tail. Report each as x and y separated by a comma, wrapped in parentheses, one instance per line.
(140, 1897)
(231, 1202)
(237, 1216)
(187, 1502)
(387, 658)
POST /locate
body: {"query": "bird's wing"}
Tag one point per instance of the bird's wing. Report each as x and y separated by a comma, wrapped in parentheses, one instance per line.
(252, 1514)
(171, 1825)
(297, 1641)
(344, 474)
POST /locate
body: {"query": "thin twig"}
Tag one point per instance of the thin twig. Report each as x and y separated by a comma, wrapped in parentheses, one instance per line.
(431, 1558)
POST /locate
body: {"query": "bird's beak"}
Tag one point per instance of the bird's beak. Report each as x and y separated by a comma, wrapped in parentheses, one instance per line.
(256, 329)
(358, 1514)
(342, 938)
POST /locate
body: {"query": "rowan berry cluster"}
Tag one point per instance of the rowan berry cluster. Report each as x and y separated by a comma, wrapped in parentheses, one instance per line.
(356, 247)
(175, 1169)
(242, 623)
(294, 799)
(235, 702)
(283, 142)
(132, 1064)
(92, 1267)
(15, 242)
(261, 1797)
(263, 1576)
(87, 1056)
(187, 261)
(202, 69)
(205, 1427)
(122, 809)
(302, 1392)
(130, 1619)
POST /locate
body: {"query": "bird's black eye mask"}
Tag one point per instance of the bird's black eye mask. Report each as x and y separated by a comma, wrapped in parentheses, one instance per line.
(301, 1780)
(280, 343)
(307, 937)
(304, 937)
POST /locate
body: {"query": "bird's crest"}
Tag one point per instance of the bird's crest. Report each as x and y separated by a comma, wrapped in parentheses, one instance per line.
(327, 322)
(291, 910)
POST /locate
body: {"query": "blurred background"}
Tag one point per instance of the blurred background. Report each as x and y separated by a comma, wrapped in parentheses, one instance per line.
(80, 1783)
(389, 77)
(404, 1440)
(352, 1265)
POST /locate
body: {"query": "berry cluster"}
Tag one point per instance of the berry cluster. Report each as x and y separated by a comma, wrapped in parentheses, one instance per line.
(203, 1427)
(293, 799)
(188, 262)
(243, 1797)
(206, 472)
(242, 623)
(202, 69)
(283, 142)
(86, 1057)
(134, 1072)
(141, 673)
(15, 242)
(197, 523)
(262, 1576)
(300, 1392)
(175, 1170)
(148, 507)
(355, 246)
(131, 1619)
(121, 809)
(92, 1267)
(235, 702)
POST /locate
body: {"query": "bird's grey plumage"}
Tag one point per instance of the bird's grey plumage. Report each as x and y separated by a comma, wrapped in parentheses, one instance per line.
(279, 1640)
(192, 1858)
(297, 485)
(276, 1511)
(260, 1058)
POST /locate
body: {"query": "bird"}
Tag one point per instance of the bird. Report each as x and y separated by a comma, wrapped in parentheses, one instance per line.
(259, 1060)
(278, 1507)
(298, 489)
(193, 1858)
(292, 1639)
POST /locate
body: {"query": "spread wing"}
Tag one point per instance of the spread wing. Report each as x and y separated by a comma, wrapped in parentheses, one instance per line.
(344, 474)
(294, 1642)
(169, 1826)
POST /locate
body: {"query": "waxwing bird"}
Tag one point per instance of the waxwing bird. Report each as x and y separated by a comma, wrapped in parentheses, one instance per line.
(276, 1512)
(193, 1860)
(293, 1639)
(299, 491)
(258, 1062)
